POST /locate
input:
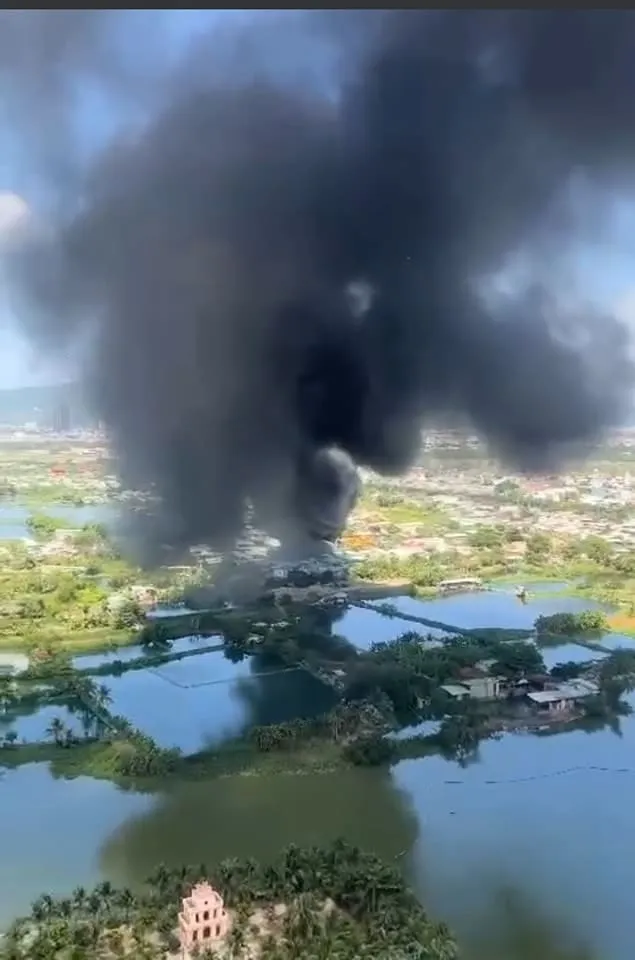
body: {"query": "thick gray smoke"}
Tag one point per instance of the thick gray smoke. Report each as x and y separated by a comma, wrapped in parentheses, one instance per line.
(294, 242)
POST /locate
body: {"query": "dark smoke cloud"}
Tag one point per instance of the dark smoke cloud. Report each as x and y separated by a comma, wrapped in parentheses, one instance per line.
(295, 249)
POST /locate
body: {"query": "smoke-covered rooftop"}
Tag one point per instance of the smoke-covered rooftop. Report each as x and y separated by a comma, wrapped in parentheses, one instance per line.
(294, 237)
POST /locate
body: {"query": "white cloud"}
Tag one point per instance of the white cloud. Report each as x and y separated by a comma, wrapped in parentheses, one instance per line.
(15, 214)
(625, 308)
(13, 210)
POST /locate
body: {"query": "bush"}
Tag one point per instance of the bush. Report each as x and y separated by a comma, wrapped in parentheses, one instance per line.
(370, 751)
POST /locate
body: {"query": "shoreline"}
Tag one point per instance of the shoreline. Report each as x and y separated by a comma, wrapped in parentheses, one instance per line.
(95, 640)
(90, 758)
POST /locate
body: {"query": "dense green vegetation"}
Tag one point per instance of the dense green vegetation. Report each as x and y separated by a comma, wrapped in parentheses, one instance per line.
(73, 589)
(571, 624)
(332, 903)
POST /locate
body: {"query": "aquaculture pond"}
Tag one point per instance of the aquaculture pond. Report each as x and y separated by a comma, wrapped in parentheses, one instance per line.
(89, 661)
(200, 701)
(32, 725)
(493, 608)
(528, 850)
(568, 653)
(501, 608)
(363, 627)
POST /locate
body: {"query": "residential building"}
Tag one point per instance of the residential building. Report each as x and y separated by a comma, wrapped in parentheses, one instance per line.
(564, 696)
(476, 688)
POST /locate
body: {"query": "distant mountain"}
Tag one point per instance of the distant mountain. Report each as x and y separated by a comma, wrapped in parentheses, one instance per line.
(24, 404)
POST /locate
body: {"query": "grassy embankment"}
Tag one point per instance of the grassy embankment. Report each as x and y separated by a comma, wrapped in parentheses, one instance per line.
(87, 640)
(98, 759)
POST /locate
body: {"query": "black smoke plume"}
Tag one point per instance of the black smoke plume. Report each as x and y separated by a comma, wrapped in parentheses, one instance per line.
(294, 240)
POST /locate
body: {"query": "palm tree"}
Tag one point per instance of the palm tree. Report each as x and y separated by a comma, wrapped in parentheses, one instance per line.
(56, 730)
(102, 697)
(39, 910)
(161, 878)
(105, 890)
(125, 899)
(79, 897)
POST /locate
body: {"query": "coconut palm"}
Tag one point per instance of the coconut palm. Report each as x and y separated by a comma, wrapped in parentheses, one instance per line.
(56, 730)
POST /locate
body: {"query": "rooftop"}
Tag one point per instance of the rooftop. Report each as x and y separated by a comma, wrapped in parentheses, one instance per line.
(576, 690)
(455, 689)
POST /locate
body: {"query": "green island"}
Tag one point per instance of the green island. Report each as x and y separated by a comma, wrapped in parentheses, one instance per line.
(334, 902)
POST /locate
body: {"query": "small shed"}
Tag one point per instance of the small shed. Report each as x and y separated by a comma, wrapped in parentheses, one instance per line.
(456, 690)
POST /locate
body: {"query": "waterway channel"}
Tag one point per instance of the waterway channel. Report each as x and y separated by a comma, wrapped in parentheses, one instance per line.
(533, 844)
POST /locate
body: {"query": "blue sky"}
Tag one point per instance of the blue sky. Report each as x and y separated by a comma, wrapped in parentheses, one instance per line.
(605, 269)
(19, 364)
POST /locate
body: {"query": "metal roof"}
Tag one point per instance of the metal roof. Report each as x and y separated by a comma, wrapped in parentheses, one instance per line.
(568, 691)
(455, 690)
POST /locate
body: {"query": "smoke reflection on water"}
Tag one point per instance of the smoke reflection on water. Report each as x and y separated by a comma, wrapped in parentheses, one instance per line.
(496, 916)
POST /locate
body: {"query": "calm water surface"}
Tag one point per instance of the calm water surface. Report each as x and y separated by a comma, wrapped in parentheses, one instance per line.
(514, 828)
(88, 661)
(194, 703)
(13, 517)
(33, 727)
(568, 653)
(493, 608)
(53, 831)
(363, 627)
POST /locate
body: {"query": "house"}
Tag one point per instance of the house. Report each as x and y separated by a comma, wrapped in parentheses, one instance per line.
(532, 683)
(456, 690)
(563, 697)
(474, 688)
(480, 684)
(483, 688)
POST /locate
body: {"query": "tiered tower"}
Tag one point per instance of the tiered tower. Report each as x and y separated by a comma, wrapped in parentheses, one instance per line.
(203, 920)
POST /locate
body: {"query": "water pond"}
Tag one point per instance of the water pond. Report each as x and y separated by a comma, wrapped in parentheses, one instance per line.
(33, 727)
(568, 653)
(89, 661)
(198, 702)
(492, 608)
(363, 627)
(528, 850)
(13, 517)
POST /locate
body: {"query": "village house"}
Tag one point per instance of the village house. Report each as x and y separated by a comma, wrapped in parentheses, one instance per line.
(563, 697)
(478, 687)
(477, 683)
